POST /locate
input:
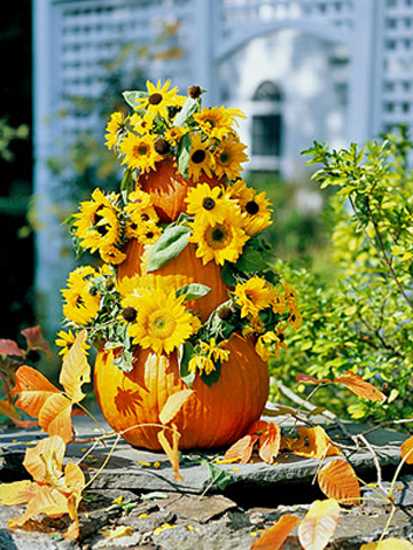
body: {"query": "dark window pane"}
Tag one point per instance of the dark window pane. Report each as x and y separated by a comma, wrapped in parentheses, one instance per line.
(266, 135)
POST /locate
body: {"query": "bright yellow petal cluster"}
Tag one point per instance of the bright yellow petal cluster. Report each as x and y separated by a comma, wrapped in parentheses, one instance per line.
(139, 152)
(113, 127)
(207, 202)
(217, 122)
(209, 353)
(255, 207)
(141, 124)
(269, 344)
(201, 159)
(229, 156)
(162, 321)
(142, 218)
(65, 340)
(96, 224)
(220, 241)
(159, 98)
(81, 300)
(253, 296)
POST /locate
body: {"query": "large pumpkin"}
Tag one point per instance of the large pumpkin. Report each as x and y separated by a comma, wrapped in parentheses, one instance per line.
(214, 415)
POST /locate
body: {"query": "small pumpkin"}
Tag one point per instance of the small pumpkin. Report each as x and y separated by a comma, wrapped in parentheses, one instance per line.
(213, 416)
(168, 188)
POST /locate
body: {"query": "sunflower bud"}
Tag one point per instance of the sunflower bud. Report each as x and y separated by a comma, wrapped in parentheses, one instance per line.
(129, 314)
(194, 91)
(224, 313)
(162, 146)
(110, 285)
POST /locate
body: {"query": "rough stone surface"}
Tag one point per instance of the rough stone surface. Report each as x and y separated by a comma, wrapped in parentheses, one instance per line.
(137, 490)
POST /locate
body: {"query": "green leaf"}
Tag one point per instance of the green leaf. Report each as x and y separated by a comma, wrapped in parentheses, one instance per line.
(228, 273)
(127, 183)
(192, 291)
(188, 109)
(219, 478)
(253, 259)
(171, 243)
(185, 353)
(183, 154)
(131, 97)
(213, 376)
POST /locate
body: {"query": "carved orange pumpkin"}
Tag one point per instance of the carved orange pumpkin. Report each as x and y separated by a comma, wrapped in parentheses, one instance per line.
(168, 189)
(213, 416)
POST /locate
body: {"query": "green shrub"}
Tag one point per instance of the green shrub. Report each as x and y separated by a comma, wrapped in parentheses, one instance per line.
(359, 317)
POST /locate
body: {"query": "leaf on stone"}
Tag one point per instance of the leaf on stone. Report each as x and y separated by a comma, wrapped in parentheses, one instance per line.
(338, 480)
(319, 524)
(269, 443)
(406, 450)
(391, 543)
(193, 291)
(32, 390)
(117, 532)
(169, 245)
(9, 347)
(274, 537)
(173, 405)
(311, 443)
(241, 450)
(35, 339)
(360, 387)
(52, 491)
(171, 450)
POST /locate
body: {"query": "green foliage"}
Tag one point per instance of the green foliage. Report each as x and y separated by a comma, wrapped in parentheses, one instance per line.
(9, 134)
(360, 317)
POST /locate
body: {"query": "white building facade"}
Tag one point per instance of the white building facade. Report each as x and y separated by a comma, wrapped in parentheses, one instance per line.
(331, 70)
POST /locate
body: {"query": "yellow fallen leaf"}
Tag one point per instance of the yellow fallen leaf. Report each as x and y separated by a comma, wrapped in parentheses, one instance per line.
(163, 527)
(388, 544)
(173, 405)
(319, 524)
(117, 532)
(406, 450)
(338, 480)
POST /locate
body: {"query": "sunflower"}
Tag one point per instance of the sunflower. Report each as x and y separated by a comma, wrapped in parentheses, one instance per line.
(139, 152)
(229, 156)
(162, 321)
(149, 233)
(65, 341)
(269, 344)
(200, 158)
(219, 240)
(279, 304)
(240, 192)
(295, 319)
(214, 351)
(112, 255)
(140, 221)
(96, 224)
(81, 299)
(141, 124)
(253, 296)
(115, 124)
(216, 122)
(159, 98)
(257, 214)
(174, 134)
(206, 201)
(139, 199)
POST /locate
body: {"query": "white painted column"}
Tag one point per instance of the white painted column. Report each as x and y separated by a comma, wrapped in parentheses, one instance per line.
(52, 260)
(363, 77)
(207, 33)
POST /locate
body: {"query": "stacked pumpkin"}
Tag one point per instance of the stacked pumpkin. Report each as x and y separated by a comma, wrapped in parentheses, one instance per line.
(184, 296)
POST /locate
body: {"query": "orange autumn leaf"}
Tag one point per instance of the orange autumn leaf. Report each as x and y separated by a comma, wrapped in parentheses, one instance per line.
(406, 450)
(360, 387)
(274, 537)
(9, 410)
(338, 480)
(9, 347)
(319, 524)
(269, 439)
(53, 492)
(171, 451)
(311, 443)
(173, 405)
(241, 450)
(42, 400)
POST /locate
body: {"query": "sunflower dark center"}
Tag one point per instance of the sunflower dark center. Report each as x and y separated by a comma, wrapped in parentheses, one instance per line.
(208, 203)
(155, 99)
(224, 157)
(144, 217)
(198, 156)
(129, 314)
(218, 234)
(134, 226)
(252, 207)
(149, 235)
(102, 230)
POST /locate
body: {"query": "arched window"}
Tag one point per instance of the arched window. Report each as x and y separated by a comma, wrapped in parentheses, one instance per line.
(266, 139)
